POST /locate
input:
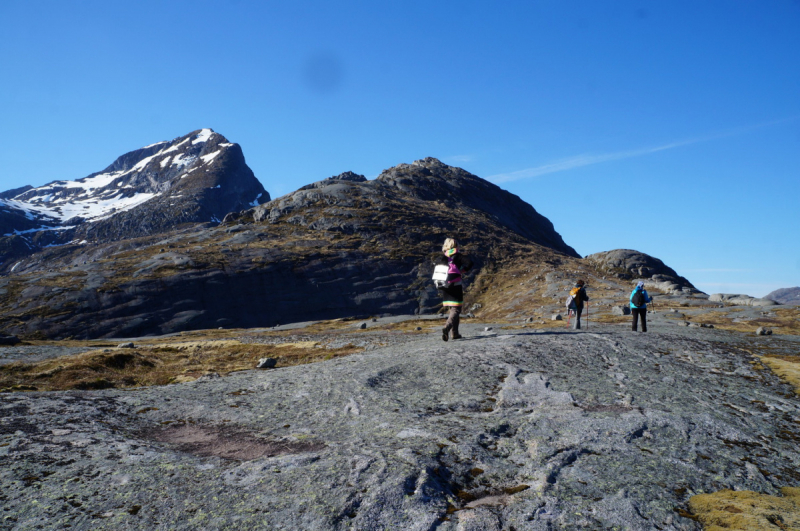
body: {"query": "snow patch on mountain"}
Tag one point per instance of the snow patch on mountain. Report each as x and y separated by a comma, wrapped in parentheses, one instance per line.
(203, 136)
(211, 156)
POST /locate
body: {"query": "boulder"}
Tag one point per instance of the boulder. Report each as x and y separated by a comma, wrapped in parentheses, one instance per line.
(126, 345)
(556, 317)
(621, 310)
(763, 331)
(266, 363)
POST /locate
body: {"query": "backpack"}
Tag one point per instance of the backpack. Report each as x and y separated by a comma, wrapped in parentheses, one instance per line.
(444, 275)
(572, 300)
(440, 276)
(638, 298)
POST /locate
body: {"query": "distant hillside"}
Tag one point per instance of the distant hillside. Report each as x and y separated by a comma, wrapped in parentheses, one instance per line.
(785, 295)
(340, 247)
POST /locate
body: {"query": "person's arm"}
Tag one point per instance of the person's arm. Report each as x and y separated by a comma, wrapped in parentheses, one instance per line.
(585, 296)
(466, 263)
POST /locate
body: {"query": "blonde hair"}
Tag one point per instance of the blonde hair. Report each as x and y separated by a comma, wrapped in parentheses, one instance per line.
(449, 243)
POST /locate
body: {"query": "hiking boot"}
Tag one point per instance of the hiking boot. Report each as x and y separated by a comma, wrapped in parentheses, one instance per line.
(445, 333)
(457, 336)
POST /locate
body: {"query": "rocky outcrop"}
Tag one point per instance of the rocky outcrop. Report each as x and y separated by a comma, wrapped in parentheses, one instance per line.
(340, 247)
(526, 430)
(634, 265)
(785, 296)
(737, 299)
(196, 178)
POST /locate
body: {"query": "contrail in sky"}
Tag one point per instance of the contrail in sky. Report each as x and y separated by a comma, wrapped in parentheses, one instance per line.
(587, 160)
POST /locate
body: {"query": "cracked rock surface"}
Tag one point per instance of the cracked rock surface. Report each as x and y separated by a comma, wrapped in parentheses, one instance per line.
(521, 430)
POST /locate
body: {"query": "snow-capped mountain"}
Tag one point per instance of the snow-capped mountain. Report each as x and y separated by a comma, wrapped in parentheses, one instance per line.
(198, 177)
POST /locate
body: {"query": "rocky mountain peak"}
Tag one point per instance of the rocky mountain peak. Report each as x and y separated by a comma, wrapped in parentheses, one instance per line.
(198, 177)
(348, 176)
(631, 265)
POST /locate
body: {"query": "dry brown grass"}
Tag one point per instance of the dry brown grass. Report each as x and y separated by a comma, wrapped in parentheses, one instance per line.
(788, 369)
(747, 510)
(786, 321)
(155, 364)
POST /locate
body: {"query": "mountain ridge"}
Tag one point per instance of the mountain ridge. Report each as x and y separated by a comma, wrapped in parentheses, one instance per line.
(147, 190)
(340, 247)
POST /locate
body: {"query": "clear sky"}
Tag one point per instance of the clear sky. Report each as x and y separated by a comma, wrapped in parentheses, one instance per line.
(672, 128)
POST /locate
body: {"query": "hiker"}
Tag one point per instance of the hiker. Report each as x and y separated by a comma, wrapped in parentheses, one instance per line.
(452, 289)
(578, 296)
(639, 300)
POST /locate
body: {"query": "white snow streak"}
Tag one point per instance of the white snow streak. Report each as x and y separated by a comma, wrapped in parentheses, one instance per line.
(157, 143)
(202, 136)
(211, 156)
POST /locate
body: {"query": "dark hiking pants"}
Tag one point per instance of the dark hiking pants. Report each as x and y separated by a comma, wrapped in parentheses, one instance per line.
(636, 313)
(453, 319)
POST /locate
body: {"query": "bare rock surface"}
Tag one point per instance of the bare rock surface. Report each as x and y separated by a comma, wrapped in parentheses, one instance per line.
(630, 264)
(785, 295)
(737, 299)
(522, 429)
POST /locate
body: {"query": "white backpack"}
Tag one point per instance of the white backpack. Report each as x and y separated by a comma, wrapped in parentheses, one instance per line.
(440, 276)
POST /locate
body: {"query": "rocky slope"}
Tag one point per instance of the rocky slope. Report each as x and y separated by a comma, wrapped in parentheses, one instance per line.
(340, 247)
(195, 178)
(525, 430)
(785, 295)
(633, 265)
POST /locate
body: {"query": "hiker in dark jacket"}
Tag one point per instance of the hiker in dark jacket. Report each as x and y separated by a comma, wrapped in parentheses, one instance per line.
(453, 292)
(578, 299)
(641, 296)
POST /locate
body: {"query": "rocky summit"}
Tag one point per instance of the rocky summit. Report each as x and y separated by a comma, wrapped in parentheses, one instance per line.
(195, 178)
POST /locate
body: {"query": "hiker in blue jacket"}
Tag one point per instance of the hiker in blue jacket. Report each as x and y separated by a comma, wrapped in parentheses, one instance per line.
(639, 299)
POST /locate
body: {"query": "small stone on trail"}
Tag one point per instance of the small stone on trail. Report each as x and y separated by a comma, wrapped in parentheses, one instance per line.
(487, 329)
(266, 363)
(763, 331)
(362, 326)
(556, 317)
(374, 320)
(126, 345)
(418, 328)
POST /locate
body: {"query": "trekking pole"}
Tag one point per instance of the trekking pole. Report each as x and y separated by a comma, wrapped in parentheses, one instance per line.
(587, 315)
(569, 316)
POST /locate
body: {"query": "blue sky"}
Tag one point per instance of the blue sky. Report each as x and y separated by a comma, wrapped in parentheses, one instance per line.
(672, 128)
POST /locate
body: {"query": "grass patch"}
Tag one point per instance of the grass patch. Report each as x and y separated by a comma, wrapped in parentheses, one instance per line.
(749, 510)
(156, 364)
(788, 369)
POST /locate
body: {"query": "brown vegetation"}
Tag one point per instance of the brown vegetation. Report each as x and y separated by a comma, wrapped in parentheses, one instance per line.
(158, 364)
(746, 510)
